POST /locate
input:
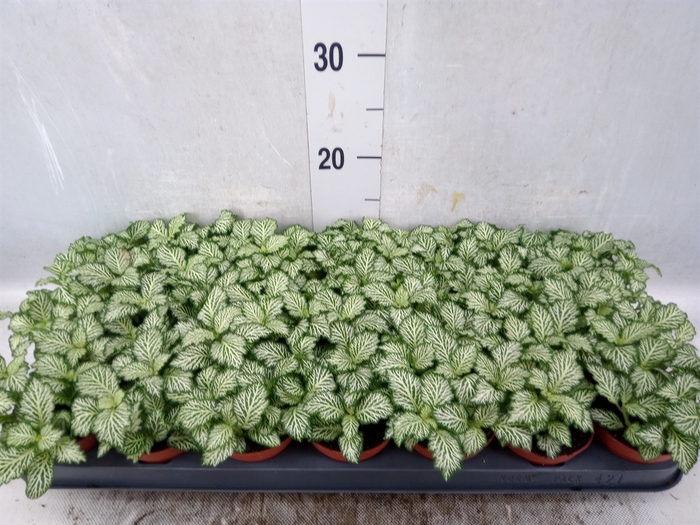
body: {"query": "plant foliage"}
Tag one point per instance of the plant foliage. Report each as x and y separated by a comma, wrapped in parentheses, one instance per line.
(209, 338)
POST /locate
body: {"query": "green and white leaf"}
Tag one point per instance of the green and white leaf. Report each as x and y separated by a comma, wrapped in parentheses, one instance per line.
(373, 408)
(37, 404)
(473, 440)
(351, 447)
(98, 381)
(295, 422)
(685, 416)
(683, 449)
(39, 475)
(527, 408)
(409, 425)
(405, 388)
(606, 383)
(447, 453)
(110, 425)
(327, 405)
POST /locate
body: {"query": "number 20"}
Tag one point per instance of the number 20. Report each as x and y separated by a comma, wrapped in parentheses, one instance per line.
(337, 158)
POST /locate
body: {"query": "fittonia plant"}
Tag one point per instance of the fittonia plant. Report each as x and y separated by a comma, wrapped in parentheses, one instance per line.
(34, 437)
(298, 379)
(556, 398)
(361, 398)
(432, 401)
(456, 356)
(225, 407)
(230, 397)
(391, 280)
(207, 336)
(339, 416)
(419, 401)
(102, 406)
(651, 376)
(328, 308)
(144, 371)
(499, 377)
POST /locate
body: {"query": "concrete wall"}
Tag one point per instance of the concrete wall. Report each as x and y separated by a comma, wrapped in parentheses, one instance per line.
(113, 112)
(582, 115)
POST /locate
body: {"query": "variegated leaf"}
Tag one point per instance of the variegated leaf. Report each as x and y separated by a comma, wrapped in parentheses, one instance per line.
(683, 449)
(405, 388)
(409, 425)
(564, 373)
(606, 382)
(685, 416)
(373, 408)
(295, 422)
(526, 407)
(39, 475)
(453, 417)
(549, 444)
(447, 453)
(196, 413)
(37, 404)
(68, 451)
(560, 432)
(110, 425)
(327, 405)
(607, 419)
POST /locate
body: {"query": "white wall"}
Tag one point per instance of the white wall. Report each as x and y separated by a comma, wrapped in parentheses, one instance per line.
(552, 114)
(114, 112)
(581, 115)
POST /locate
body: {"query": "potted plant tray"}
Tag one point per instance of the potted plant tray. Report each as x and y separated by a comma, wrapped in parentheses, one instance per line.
(301, 468)
(331, 358)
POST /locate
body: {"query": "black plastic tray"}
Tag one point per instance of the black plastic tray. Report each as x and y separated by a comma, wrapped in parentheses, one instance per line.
(301, 468)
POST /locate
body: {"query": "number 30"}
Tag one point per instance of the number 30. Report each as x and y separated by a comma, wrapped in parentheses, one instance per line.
(335, 57)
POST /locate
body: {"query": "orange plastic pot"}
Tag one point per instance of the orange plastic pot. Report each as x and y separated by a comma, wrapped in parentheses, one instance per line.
(338, 456)
(87, 443)
(623, 450)
(425, 452)
(263, 455)
(544, 461)
(161, 456)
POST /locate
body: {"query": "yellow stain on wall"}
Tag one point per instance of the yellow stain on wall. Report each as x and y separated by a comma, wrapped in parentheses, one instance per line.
(456, 197)
(424, 191)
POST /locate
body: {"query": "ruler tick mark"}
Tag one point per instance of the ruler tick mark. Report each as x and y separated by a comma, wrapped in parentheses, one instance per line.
(364, 55)
(372, 200)
(375, 109)
(366, 157)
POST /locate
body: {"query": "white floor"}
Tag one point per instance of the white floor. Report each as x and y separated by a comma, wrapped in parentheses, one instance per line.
(679, 506)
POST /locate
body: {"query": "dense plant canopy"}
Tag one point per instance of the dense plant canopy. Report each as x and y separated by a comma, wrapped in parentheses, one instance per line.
(209, 337)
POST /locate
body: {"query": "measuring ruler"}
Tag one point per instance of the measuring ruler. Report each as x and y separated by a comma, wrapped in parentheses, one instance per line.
(344, 59)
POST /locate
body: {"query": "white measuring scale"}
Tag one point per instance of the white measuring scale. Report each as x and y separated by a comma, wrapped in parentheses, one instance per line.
(344, 62)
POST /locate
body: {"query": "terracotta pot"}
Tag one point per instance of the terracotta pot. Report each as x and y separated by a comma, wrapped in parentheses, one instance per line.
(87, 443)
(161, 456)
(623, 450)
(262, 455)
(423, 451)
(544, 461)
(338, 456)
